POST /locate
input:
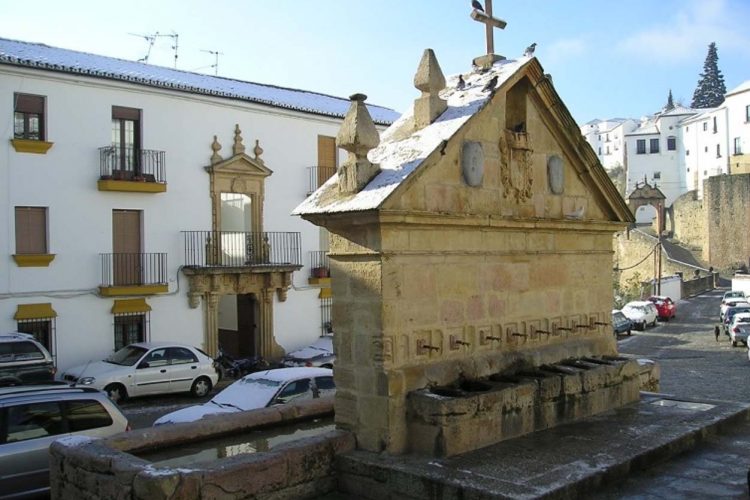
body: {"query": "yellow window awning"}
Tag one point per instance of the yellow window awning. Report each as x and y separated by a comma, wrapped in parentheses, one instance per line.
(130, 306)
(34, 311)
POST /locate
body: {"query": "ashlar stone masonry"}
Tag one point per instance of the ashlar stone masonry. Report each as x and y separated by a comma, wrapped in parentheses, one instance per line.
(482, 247)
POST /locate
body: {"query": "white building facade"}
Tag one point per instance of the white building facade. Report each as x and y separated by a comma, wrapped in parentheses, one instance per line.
(706, 154)
(738, 126)
(144, 203)
(655, 153)
(607, 138)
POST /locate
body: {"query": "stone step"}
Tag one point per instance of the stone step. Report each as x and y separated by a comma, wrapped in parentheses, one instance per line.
(569, 461)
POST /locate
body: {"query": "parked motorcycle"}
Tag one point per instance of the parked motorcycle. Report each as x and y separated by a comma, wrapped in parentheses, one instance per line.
(229, 367)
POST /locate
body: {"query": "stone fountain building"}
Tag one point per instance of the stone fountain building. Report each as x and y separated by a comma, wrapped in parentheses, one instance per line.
(473, 239)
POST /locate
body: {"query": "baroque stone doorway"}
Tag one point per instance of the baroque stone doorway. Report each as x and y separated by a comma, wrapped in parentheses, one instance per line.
(238, 325)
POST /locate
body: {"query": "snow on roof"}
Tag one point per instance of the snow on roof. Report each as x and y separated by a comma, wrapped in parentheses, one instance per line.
(698, 115)
(742, 87)
(40, 56)
(645, 128)
(678, 110)
(400, 153)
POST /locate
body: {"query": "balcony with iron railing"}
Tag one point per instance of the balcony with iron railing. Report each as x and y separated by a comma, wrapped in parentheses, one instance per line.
(317, 176)
(238, 249)
(320, 272)
(133, 273)
(132, 169)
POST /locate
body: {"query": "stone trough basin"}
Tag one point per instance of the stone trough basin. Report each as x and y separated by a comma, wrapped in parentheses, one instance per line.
(208, 458)
(470, 414)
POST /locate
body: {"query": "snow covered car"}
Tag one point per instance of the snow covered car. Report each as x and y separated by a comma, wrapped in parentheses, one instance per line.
(148, 368)
(259, 390)
(319, 353)
(641, 313)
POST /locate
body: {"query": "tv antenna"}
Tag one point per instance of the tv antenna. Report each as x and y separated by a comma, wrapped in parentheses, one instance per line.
(215, 65)
(151, 39)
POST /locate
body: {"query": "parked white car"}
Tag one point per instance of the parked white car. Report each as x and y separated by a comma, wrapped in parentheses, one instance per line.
(148, 368)
(641, 312)
(259, 390)
(739, 328)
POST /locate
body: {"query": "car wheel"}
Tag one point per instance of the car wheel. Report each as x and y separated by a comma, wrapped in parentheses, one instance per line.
(201, 387)
(116, 392)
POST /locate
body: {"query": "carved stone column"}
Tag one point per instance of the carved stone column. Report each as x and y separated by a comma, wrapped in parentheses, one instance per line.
(267, 346)
(211, 332)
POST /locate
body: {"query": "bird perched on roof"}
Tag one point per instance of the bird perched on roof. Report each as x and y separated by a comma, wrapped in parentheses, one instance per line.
(477, 5)
(490, 85)
(461, 83)
(529, 50)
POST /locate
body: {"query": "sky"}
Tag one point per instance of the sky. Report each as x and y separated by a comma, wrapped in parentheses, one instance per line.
(607, 58)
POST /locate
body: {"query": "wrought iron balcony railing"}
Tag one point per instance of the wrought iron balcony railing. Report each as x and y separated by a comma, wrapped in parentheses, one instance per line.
(319, 264)
(132, 164)
(241, 249)
(316, 177)
(133, 269)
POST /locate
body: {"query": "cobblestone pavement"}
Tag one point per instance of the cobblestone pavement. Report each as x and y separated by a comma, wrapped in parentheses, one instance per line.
(694, 364)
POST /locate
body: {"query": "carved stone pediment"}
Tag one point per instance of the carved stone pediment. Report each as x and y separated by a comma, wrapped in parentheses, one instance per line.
(241, 164)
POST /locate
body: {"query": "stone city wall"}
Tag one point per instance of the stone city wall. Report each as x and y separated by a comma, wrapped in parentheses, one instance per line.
(632, 249)
(690, 221)
(107, 468)
(727, 202)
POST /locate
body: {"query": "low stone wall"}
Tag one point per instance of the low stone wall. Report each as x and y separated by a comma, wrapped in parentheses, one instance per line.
(697, 286)
(445, 421)
(82, 468)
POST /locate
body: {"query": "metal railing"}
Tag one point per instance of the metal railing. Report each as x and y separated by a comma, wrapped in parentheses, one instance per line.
(133, 269)
(241, 249)
(132, 164)
(316, 177)
(319, 264)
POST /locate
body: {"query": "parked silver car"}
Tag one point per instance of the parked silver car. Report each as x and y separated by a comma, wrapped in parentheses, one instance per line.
(148, 368)
(23, 360)
(31, 417)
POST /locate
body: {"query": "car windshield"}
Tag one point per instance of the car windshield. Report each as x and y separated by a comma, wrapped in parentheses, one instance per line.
(127, 356)
(248, 393)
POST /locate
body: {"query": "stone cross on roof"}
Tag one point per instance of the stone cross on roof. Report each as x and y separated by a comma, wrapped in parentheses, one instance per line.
(490, 23)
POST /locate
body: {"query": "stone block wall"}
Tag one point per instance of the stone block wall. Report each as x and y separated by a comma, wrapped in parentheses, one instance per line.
(631, 247)
(690, 221)
(727, 202)
(107, 468)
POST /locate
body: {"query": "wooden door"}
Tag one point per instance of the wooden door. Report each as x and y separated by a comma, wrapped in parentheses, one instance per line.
(327, 158)
(127, 264)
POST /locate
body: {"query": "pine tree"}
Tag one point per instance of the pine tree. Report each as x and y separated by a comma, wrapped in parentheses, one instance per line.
(711, 89)
(670, 102)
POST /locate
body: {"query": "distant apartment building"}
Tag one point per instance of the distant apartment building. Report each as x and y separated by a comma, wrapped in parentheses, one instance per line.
(738, 125)
(607, 137)
(655, 152)
(706, 154)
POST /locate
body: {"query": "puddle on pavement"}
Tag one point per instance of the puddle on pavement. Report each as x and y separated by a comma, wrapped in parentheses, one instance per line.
(188, 454)
(683, 405)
